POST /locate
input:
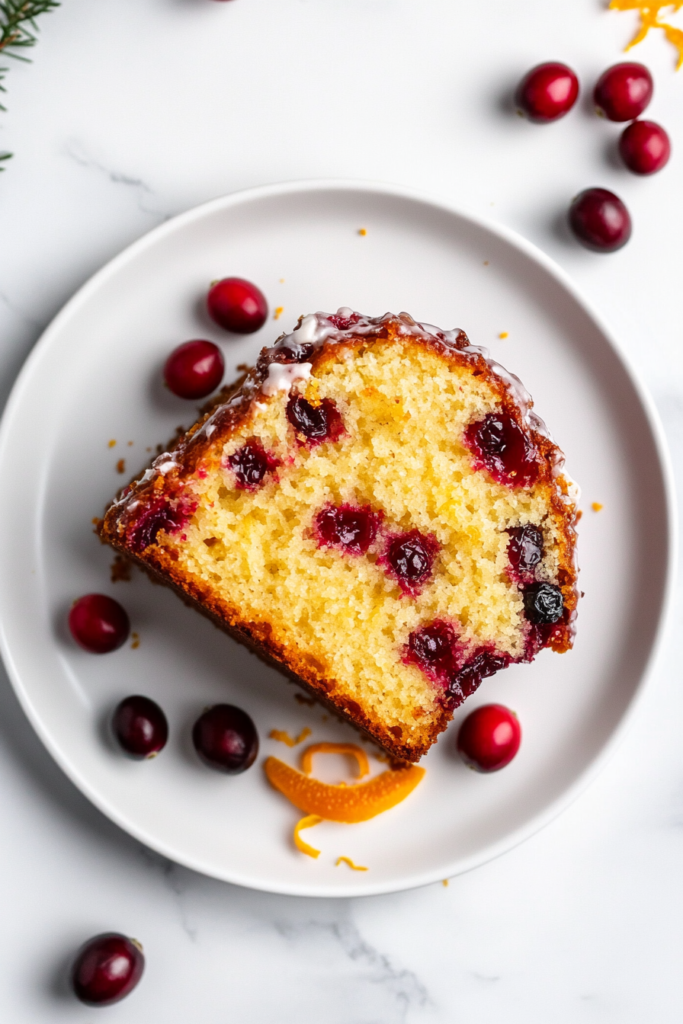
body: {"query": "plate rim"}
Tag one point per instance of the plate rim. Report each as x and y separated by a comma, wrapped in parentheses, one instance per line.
(537, 256)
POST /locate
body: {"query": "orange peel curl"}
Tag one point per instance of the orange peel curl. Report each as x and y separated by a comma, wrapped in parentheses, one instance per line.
(335, 748)
(282, 736)
(347, 860)
(308, 822)
(349, 804)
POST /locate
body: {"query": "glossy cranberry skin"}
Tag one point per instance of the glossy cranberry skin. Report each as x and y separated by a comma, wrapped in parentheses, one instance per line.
(140, 726)
(98, 623)
(623, 91)
(644, 147)
(225, 738)
(237, 305)
(468, 677)
(194, 369)
(525, 548)
(107, 968)
(434, 649)
(599, 220)
(489, 738)
(543, 604)
(409, 558)
(347, 526)
(315, 423)
(250, 464)
(547, 93)
(501, 446)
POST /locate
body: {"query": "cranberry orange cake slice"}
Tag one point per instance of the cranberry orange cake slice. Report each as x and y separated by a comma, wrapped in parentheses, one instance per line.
(376, 510)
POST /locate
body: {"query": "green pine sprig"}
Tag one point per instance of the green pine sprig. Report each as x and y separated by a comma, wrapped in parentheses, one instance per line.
(18, 33)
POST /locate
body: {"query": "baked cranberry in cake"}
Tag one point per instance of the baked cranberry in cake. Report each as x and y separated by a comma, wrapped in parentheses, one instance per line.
(317, 423)
(159, 515)
(432, 648)
(503, 448)
(467, 679)
(345, 526)
(525, 549)
(342, 323)
(543, 604)
(250, 463)
(409, 558)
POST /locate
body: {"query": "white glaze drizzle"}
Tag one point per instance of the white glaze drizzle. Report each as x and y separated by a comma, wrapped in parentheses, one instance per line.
(281, 376)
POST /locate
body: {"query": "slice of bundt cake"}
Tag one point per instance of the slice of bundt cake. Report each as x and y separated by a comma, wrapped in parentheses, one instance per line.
(377, 511)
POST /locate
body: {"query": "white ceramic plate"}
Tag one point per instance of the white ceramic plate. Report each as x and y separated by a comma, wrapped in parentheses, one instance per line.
(95, 377)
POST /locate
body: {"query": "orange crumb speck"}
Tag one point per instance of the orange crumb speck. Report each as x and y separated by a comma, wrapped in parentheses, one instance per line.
(445, 883)
(282, 736)
(597, 507)
(279, 310)
(308, 822)
(112, 443)
(347, 860)
(325, 718)
(504, 334)
(282, 280)
(335, 748)
(486, 263)
(96, 520)
(362, 231)
(135, 637)
(121, 466)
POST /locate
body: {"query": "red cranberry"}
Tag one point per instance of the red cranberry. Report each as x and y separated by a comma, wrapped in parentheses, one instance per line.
(342, 323)
(107, 968)
(525, 549)
(140, 726)
(317, 423)
(623, 91)
(433, 649)
(250, 463)
(600, 220)
(160, 515)
(237, 305)
(645, 147)
(194, 370)
(226, 739)
(489, 738)
(98, 623)
(503, 448)
(466, 680)
(409, 557)
(351, 528)
(547, 93)
(543, 603)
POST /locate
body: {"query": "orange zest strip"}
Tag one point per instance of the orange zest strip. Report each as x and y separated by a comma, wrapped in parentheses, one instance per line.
(649, 11)
(283, 736)
(335, 748)
(347, 860)
(308, 822)
(349, 804)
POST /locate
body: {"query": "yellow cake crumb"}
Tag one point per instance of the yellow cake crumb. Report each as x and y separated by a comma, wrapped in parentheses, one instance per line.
(279, 310)
(135, 637)
(112, 443)
(504, 334)
(362, 231)
(597, 507)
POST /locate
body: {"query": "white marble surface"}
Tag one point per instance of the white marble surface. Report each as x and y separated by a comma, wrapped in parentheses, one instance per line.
(135, 110)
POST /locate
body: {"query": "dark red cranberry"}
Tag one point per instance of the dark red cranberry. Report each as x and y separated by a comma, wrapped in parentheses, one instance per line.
(489, 738)
(226, 739)
(195, 369)
(600, 220)
(159, 516)
(237, 305)
(250, 463)
(468, 677)
(294, 352)
(645, 147)
(547, 93)
(543, 603)
(140, 726)
(317, 423)
(623, 91)
(342, 323)
(98, 623)
(107, 968)
(525, 549)
(347, 526)
(433, 649)
(409, 557)
(503, 448)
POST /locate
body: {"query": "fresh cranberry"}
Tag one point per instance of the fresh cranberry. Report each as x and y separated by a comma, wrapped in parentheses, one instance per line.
(502, 447)
(600, 220)
(433, 649)
(140, 726)
(159, 516)
(107, 968)
(226, 739)
(347, 526)
(525, 549)
(237, 305)
(409, 557)
(342, 323)
(623, 91)
(547, 93)
(317, 423)
(489, 738)
(250, 463)
(98, 623)
(194, 370)
(543, 603)
(645, 147)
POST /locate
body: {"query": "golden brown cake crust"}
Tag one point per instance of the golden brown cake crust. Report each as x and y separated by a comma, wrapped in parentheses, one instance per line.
(232, 408)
